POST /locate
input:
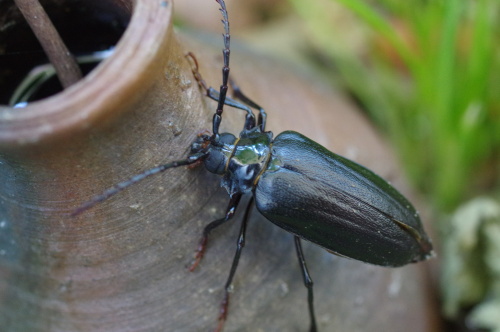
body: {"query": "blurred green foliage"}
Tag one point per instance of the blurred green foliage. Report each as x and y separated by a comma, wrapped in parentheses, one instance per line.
(428, 72)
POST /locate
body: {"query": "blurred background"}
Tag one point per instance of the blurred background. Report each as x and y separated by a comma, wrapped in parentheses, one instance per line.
(428, 75)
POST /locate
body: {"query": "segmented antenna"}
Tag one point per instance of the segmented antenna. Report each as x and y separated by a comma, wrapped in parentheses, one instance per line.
(225, 71)
(139, 177)
(193, 158)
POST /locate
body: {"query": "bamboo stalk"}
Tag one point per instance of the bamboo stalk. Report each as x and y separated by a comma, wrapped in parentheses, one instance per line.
(64, 63)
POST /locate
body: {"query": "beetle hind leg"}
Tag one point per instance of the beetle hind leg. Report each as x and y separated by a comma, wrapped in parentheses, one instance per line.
(308, 283)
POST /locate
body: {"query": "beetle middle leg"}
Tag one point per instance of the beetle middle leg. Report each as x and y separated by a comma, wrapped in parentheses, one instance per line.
(202, 246)
(307, 282)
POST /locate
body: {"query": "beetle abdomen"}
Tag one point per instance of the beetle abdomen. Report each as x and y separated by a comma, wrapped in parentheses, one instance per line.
(338, 204)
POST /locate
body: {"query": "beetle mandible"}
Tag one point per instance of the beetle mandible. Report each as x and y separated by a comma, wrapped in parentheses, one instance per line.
(298, 185)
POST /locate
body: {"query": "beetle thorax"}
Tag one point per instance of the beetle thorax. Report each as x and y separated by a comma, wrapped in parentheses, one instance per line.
(249, 157)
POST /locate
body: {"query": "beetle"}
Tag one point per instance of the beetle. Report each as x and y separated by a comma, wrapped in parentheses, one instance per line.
(300, 186)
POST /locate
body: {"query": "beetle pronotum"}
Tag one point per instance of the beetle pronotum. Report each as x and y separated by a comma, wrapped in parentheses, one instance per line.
(298, 185)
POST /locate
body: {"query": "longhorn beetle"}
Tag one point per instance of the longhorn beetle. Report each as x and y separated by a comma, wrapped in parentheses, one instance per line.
(298, 185)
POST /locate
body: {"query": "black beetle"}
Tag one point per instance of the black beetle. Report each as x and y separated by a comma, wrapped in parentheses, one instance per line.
(300, 186)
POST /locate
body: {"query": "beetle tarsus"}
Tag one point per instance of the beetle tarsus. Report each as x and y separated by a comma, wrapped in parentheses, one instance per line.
(196, 72)
(200, 252)
(223, 313)
(202, 245)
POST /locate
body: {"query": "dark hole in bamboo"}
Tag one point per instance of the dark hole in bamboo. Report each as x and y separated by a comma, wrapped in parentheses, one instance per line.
(66, 67)
(85, 26)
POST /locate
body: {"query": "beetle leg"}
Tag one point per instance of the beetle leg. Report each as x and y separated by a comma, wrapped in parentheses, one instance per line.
(202, 246)
(224, 306)
(307, 282)
(239, 95)
(215, 95)
(250, 118)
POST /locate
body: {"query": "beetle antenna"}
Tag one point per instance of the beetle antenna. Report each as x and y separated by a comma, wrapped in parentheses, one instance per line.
(225, 72)
(136, 178)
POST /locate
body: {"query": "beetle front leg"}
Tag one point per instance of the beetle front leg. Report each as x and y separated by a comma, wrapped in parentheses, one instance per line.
(202, 246)
(250, 118)
(224, 306)
(215, 95)
(307, 282)
(241, 96)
